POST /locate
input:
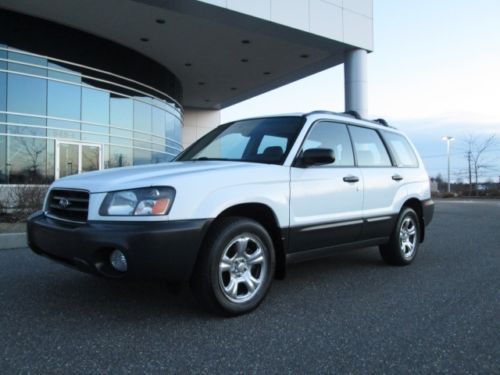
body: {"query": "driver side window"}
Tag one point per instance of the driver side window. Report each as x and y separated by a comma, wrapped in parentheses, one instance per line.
(335, 137)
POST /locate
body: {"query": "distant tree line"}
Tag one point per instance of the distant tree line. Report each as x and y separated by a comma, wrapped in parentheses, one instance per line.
(479, 178)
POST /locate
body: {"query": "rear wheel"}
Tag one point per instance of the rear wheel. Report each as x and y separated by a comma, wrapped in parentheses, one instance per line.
(236, 267)
(403, 245)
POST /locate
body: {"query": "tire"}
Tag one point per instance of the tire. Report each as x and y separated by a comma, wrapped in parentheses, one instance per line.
(403, 245)
(235, 267)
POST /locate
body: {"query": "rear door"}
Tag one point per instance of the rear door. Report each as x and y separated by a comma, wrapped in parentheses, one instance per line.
(383, 184)
(326, 201)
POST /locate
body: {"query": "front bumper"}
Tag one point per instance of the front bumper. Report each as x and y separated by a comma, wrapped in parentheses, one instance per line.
(154, 249)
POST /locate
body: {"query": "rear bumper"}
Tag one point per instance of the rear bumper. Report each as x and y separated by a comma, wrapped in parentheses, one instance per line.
(154, 249)
(428, 211)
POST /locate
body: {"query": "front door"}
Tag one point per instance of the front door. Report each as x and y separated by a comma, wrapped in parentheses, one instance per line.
(326, 201)
(73, 158)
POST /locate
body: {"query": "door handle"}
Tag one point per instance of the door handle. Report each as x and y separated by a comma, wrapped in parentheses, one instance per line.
(351, 179)
(397, 177)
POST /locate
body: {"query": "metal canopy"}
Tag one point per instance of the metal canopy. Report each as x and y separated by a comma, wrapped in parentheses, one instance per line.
(220, 56)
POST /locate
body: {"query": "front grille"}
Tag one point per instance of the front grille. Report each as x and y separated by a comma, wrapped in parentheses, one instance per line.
(70, 205)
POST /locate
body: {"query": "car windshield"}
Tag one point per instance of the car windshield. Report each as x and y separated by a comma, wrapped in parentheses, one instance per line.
(263, 140)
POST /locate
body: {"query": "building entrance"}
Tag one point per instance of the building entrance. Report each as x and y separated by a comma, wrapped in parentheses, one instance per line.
(73, 158)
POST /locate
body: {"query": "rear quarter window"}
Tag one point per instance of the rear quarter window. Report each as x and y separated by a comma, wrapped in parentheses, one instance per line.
(401, 150)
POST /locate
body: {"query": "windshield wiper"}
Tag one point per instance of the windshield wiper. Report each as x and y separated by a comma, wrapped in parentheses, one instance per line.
(205, 158)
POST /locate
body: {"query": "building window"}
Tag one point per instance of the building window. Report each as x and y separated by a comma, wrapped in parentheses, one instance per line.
(26, 94)
(27, 160)
(47, 106)
(3, 99)
(64, 100)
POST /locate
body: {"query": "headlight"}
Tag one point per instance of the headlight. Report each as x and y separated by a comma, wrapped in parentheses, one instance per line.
(150, 201)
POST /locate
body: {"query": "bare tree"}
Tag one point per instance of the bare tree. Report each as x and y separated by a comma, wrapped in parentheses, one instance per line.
(22, 200)
(475, 149)
(33, 150)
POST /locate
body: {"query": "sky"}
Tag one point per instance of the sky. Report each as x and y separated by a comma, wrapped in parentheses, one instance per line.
(434, 71)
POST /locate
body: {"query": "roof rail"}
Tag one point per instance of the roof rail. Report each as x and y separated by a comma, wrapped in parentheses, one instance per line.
(354, 114)
(381, 121)
(322, 112)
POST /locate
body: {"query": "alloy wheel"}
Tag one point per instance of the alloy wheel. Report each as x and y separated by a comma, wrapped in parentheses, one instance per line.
(242, 268)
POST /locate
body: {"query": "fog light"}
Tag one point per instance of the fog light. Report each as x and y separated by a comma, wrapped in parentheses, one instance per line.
(118, 261)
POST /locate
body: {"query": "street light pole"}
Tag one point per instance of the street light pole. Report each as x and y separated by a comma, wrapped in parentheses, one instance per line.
(448, 140)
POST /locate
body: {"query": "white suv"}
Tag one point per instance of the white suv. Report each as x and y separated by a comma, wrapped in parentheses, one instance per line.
(239, 204)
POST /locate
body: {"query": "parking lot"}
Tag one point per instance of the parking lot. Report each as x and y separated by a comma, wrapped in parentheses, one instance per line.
(347, 313)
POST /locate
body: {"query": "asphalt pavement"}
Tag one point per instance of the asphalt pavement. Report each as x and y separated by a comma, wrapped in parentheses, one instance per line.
(349, 313)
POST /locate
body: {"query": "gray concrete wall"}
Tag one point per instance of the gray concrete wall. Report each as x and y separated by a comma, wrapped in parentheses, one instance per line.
(197, 123)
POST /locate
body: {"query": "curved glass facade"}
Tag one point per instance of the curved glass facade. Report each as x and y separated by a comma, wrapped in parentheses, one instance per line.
(59, 118)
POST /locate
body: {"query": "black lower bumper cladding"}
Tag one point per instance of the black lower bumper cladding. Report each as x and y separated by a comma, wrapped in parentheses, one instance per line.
(428, 210)
(166, 249)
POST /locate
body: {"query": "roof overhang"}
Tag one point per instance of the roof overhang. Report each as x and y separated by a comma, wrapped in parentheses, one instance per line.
(220, 56)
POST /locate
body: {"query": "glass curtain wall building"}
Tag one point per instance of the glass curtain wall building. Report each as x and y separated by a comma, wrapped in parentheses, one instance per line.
(61, 117)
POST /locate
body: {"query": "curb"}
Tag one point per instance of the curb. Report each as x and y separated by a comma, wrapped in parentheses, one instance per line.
(13, 240)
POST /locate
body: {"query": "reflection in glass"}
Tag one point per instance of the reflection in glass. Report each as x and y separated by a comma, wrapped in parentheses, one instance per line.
(142, 157)
(3, 98)
(170, 128)
(65, 129)
(159, 157)
(36, 112)
(68, 159)
(90, 158)
(27, 125)
(121, 116)
(142, 123)
(177, 129)
(105, 156)
(120, 156)
(26, 160)
(94, 138)
(121, 137)
(28, 59)
(3, 55)
(63, 100)
(122, 112)
(3, 160)
(95, 106)
(51, 160)
(26, 94)
(158, 123)
(64, 76)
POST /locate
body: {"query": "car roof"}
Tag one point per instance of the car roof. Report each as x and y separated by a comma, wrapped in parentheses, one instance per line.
(353, 116)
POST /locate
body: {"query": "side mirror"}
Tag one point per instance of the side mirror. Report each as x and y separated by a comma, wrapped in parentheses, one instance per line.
(317, 156)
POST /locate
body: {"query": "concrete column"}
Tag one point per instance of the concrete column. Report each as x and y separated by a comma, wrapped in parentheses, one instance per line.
(197, 123)
(356, 81)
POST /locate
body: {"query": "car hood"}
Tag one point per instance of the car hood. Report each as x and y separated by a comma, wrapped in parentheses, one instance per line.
(151, 175)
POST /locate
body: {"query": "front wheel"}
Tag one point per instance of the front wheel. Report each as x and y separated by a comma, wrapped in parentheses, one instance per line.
(236, 267)
(403, 245)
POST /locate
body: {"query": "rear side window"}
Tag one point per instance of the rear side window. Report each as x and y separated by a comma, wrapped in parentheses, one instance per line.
(333, 136)
(401, 149)
(369, 148)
